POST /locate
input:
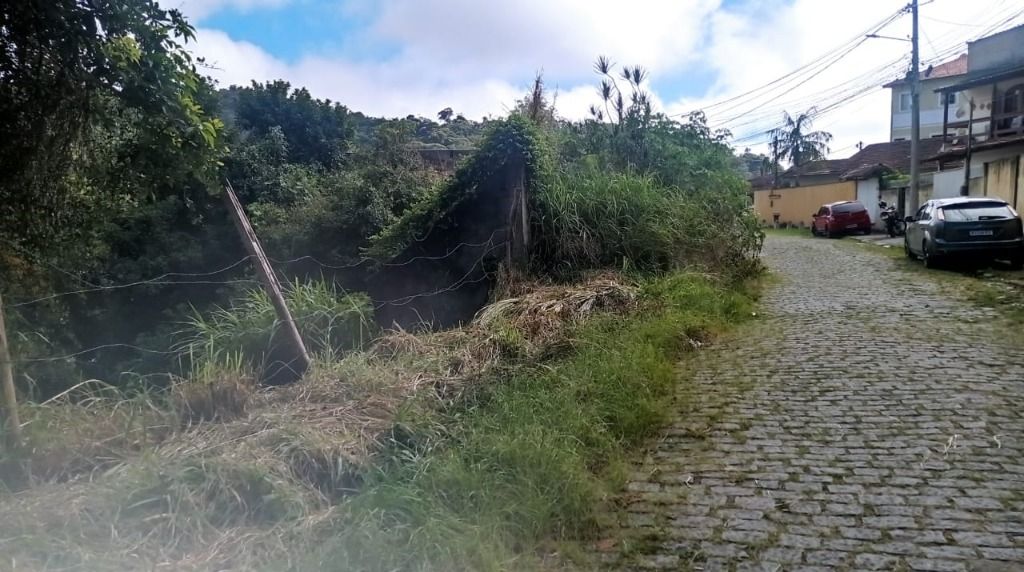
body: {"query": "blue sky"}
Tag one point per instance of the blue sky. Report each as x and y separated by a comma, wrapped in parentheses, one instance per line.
(396, 57)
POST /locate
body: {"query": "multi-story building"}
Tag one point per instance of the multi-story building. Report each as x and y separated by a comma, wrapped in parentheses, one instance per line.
(932, 103)
(988, 129)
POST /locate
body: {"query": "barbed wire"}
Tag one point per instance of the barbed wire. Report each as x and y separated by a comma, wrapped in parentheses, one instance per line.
(160, 280)
(183, 348)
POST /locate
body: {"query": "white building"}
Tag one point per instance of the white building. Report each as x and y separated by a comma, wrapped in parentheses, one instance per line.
(932, 104)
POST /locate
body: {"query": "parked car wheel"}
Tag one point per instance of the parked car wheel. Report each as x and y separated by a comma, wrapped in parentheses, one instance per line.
(929, 259)
(1017, 262)
(814, 232)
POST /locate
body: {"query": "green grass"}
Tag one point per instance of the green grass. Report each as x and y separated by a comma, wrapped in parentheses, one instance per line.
(527, 459)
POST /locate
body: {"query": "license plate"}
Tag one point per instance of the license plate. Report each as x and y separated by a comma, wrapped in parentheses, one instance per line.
(851, 226)
(981, 233)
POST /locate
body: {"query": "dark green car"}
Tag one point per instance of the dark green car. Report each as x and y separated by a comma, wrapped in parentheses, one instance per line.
(979, 228)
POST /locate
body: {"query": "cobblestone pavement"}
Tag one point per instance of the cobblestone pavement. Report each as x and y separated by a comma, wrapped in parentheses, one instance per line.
(868, 421)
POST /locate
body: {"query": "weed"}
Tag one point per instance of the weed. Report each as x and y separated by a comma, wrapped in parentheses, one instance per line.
(329, 321)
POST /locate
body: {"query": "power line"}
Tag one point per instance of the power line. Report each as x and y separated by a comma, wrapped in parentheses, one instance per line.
(811, 66)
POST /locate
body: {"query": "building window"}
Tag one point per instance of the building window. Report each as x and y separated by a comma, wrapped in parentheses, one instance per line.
(905, 101)
(951, 98)
(1010, 110)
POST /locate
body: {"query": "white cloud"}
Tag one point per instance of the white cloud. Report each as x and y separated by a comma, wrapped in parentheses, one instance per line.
(478, 57)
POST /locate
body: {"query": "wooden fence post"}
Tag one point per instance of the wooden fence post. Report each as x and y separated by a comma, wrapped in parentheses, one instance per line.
(518, 248)
(10, 399)
(267, 276)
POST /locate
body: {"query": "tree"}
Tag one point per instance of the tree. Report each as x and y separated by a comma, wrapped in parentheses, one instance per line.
(66, 64)
(445, 115)
(794, 140)
(317, 131)
(629, 112)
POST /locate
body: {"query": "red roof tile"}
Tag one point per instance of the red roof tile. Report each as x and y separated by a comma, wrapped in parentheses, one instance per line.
(951, 68)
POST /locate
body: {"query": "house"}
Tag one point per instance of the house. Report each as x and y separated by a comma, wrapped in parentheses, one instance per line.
(933, 106)
(882, 172)
(876, 172)
(988, 133)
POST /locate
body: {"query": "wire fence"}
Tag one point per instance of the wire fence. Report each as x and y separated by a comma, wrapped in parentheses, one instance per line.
(475, 274)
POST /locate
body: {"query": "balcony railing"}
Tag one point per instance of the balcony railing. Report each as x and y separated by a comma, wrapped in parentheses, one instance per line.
(1007, 124)
(998, 125)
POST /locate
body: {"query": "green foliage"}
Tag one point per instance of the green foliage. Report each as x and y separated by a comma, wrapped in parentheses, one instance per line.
(794, 141)
(510, 142)
(329, 322)
(589, 219)
(532, 456)
(317, 131)
(66, 65)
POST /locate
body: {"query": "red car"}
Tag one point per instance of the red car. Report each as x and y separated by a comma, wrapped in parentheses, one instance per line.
(840, 218)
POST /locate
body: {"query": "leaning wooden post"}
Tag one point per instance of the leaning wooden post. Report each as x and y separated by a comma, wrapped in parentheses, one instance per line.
(267, 276)
(10, 400)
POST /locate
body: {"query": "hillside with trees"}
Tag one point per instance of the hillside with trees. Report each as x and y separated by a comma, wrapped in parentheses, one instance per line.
(140, 339)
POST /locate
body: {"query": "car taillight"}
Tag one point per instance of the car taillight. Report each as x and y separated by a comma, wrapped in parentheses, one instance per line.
(940, 214)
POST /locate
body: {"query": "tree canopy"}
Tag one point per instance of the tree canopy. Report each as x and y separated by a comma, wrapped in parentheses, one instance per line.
(795, 141)
(77, 69)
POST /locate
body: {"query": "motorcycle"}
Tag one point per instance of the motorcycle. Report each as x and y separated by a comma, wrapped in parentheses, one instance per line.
(894, 224)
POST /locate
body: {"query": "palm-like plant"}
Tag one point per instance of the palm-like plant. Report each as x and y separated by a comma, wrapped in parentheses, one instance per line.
(795, 141)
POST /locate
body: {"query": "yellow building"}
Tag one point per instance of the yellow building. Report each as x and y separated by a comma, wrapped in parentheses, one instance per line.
(794, 206)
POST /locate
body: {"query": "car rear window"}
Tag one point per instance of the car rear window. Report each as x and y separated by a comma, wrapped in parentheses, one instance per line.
(848, 208)
(969, 212)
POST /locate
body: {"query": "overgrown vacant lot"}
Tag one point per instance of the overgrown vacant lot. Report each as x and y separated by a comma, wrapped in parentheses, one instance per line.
(466, 449)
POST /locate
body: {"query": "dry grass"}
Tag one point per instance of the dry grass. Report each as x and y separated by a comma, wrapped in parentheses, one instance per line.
(218, 474)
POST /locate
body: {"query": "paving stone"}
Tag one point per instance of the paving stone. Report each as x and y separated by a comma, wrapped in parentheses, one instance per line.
(1011, 554)
(889, 521)
(981, 539)
(949, 552)
(930, 565)
(869, 561)
(826, 557)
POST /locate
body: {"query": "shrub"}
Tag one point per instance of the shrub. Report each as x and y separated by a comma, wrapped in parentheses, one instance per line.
(592, 219)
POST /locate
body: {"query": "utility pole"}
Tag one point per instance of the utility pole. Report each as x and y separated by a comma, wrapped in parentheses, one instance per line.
(915, 116)
(10, 401)
(267, 276)
(966, 188)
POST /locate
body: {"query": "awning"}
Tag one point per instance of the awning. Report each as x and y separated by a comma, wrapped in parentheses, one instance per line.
(985, 77)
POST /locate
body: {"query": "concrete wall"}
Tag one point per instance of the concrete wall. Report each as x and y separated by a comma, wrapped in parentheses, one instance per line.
(796, 205)
(868, 194)
(997, 50)
(947, 183)
(1004, 179)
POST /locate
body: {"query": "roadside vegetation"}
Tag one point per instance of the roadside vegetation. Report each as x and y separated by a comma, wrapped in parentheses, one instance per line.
(152, 436)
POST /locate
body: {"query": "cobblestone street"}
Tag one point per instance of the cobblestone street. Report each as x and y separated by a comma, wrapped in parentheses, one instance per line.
(868, 421)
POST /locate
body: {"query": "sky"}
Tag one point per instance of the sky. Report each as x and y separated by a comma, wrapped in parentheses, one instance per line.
(393, 58)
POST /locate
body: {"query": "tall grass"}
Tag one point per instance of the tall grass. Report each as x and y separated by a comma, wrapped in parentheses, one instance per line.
(481, 485)
(329, 321)
(592, 219)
